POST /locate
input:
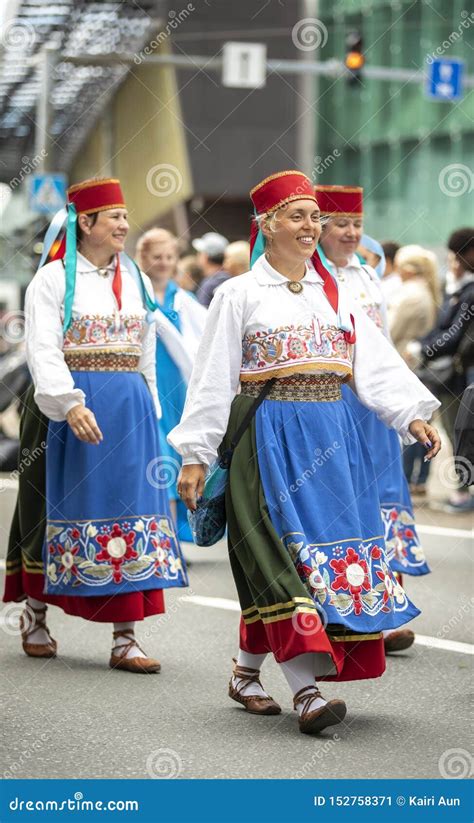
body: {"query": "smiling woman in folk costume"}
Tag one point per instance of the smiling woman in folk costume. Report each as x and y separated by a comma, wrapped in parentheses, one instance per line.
(179, 322)
(305, 534)
(90, 533)
(342, 212)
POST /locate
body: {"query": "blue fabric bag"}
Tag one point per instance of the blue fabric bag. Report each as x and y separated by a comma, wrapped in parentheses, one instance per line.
(208, 522)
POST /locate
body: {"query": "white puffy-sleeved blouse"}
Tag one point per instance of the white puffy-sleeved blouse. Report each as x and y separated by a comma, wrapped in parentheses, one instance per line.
(97, 324)
(257, 329)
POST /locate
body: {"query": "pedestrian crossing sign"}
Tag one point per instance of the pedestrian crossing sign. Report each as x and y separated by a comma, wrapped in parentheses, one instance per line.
(445, 79)
(47, 193)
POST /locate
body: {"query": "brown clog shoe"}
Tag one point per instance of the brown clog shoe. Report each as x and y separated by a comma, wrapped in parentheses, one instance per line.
(313, 722)
(31, 620)
(136, 665)
(399, 640)
(252, 703)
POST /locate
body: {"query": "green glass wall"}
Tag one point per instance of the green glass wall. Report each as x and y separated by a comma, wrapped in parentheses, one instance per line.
(390, 137)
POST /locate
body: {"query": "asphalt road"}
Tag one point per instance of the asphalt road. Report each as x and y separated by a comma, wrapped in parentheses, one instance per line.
(73, 717)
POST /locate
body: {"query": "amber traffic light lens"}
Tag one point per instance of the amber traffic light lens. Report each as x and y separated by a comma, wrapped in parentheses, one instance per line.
(355, 60)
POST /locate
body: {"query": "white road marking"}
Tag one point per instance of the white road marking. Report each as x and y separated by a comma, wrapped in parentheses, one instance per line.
(442, 531)
(446, 645)
(3, 565)
(421, 639)
(212, 602)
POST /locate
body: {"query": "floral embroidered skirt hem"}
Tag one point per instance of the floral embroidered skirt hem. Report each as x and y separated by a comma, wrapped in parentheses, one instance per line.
(404, 550)
(307, 553)
(90, 534)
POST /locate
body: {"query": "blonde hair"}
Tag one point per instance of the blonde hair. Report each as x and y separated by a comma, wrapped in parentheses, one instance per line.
(152, 237)
(422, 263)
(238, 255)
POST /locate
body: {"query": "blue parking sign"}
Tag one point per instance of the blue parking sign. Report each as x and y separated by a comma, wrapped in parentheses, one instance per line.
(445, 79)
(47, 193)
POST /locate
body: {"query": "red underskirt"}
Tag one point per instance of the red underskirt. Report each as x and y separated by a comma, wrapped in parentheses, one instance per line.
(119, 608)
(353, 659)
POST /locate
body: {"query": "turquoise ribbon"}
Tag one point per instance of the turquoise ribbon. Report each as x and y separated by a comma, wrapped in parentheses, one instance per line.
(259, 247)
(70, 264)
(132, 267)
(52, 234)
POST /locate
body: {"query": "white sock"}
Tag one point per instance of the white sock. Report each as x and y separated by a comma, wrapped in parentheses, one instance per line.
(129, 628)
(299, 674)
(249, 661)
(38, 635)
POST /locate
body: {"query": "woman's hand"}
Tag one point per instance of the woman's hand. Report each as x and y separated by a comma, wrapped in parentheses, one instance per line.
(191, 484)
(84, 425)
(427, 435)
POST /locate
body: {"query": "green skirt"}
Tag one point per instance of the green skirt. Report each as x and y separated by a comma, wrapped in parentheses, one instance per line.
(279, 614)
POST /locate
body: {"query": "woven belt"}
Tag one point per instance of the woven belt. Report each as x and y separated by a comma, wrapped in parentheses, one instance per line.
(308, 388)
(101, 361)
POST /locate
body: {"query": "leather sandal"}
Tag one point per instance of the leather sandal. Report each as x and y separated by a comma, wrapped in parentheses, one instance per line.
(399, 640)
(312, 722)
(29, 626)
(137, 665)
(253, 703)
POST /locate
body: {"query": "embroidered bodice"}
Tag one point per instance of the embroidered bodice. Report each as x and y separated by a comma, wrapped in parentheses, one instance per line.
(257, 328)
(98, 326)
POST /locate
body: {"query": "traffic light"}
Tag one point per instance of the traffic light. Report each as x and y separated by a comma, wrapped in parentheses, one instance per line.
(355, 59)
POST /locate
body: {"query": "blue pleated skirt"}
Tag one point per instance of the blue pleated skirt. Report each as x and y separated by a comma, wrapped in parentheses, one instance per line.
(109, 528)
(404, 551)
(322, 496)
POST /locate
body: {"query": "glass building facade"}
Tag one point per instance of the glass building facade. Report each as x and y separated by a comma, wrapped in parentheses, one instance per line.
(413, 155)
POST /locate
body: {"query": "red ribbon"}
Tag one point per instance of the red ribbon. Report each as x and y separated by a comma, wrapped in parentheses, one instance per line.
(117, 283)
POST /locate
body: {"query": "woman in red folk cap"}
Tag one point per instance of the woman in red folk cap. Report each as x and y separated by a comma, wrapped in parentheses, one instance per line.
(342, 213)
(304, 527)
(92, 531)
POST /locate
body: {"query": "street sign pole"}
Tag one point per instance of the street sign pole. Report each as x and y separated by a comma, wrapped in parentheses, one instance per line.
(44, 143)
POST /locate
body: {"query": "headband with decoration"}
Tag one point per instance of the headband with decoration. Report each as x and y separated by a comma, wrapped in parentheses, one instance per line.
(89, 197)
(345, 201)
(273, 193)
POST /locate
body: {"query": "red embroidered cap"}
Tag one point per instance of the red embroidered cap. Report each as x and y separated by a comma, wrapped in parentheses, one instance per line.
(281, 188)
(96, 195)
(346, 201)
